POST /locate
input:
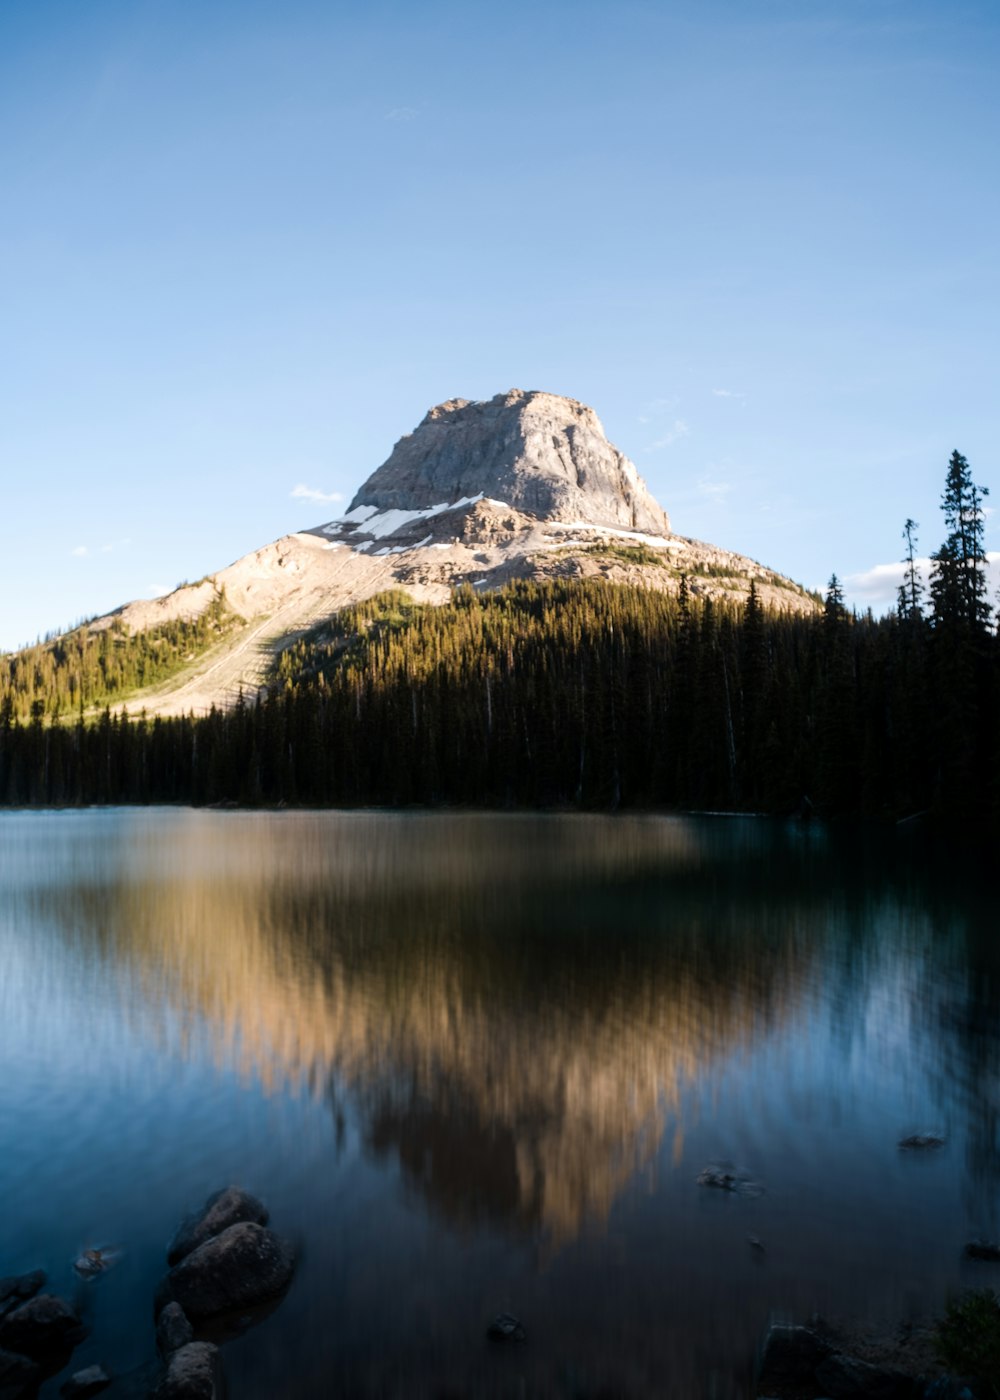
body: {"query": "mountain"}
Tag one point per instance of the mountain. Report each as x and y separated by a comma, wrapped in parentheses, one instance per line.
(523, 485)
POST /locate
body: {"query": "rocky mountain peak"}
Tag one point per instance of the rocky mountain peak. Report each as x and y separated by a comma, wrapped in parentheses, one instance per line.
(542, 454)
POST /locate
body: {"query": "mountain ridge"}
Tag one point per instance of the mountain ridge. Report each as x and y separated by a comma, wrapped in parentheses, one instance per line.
(521, 486)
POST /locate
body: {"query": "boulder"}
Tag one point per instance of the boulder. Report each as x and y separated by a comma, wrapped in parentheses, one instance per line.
(789, 1361)
(983, 1249)
(921, 1142)
(505, 1328)
(43, 1325)
(230, 1206)
(843, 1375)
(173, 1330)
(193, 1373)
(19, 1376)
(90, 1381)
(18, 1289)
(243, 1266)
(91, 1263)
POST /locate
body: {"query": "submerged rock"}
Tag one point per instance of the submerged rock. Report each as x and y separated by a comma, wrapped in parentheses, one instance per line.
(91, 1263)
(230, 1206)
(983, 1249)
(194, 1373)
(18, 1288)
(18, 1376)
(505, 1328)
(90, 1381)
(921, 1142)
(789, 1361)
(173, 1330)
(44, 1325)
(723, 1176)
(843, 1375)
(239, 1268)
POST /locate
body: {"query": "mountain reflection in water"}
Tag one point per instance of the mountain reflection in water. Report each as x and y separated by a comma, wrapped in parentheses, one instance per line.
(478, 1062)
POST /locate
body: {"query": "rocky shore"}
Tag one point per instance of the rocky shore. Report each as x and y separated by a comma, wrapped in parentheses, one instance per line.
(223, 1264)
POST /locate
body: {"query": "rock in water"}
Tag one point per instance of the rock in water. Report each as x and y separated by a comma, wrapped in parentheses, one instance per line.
(230, 1206)
(505, 1328)
(194, 1373)
(540, 453)
(18, 1289)
(84, 1383)
(791, 1355)
(173, 1330)
(986, 1250)
(18, 1376)
(243, 1266)
(40, 1327)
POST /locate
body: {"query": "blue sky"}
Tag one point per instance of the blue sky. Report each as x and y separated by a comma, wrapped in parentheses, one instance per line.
(245, 245)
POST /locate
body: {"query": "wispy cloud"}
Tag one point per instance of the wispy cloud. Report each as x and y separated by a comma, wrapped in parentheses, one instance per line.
(310, 493)
(678, 429)
(157, 590)
(86, 551)
(730, 394)
(401, 114)
(656, 408)
(715, 490)
(877, 587)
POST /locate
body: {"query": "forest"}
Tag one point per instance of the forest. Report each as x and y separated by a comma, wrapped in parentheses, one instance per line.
(584, 694)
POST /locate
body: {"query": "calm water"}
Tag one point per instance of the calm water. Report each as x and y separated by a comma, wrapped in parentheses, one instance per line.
(476, 1063)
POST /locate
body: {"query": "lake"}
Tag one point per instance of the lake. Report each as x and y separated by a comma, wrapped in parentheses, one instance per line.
(476, 1063)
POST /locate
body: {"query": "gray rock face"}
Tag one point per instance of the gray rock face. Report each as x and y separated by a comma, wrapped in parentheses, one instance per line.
(240, 1268)
(44, 1325)
(194, 1373)
(543, 454)
(230, 1206)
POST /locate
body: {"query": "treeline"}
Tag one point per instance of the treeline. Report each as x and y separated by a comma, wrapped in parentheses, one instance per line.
(592, 695)
(569, 693)
(95, 666)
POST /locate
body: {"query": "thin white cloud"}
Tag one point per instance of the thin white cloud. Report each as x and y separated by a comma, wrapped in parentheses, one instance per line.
(158, 590)
(84, 551)
(679, 429)
(310, 493)
(730, 394)
(879, 586)
(401, 114)
(715, 490)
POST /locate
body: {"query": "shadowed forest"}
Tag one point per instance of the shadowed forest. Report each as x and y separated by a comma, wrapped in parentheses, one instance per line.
(577, 694)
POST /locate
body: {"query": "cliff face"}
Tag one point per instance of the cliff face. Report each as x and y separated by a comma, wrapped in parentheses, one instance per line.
(545, 455)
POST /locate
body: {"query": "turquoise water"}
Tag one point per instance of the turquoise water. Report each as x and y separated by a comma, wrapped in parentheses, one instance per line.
(475, 1064)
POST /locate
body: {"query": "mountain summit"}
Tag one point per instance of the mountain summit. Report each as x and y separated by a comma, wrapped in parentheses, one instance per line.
(544, 455)
(521, 486)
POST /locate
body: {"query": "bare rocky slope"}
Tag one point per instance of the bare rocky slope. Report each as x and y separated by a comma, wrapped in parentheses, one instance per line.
(523, 485)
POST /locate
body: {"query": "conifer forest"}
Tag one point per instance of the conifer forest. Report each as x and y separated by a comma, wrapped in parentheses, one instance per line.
(566, 694)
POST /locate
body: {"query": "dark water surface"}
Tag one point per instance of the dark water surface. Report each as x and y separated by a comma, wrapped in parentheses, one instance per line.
(476, 1063)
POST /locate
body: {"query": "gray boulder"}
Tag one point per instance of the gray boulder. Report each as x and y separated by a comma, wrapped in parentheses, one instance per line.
(842, 1375)
(173, 1330)
(44, 1325)
(789, 1361)
(230, 1206)
(243, 1266)
(194, 1373)
(18, 1288)
(90, 1381)
(19, 1376)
